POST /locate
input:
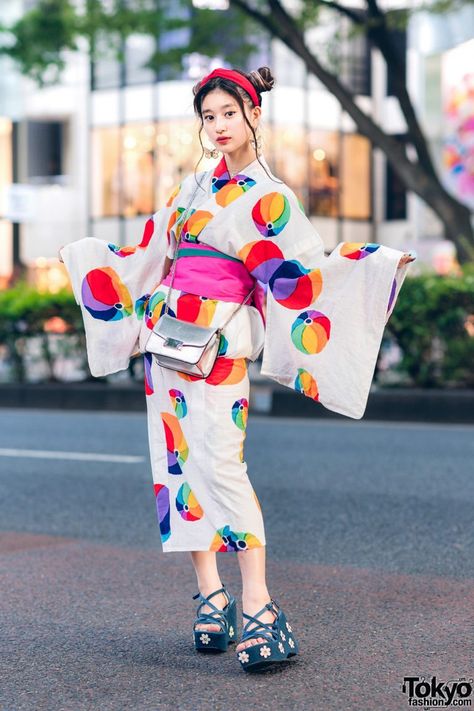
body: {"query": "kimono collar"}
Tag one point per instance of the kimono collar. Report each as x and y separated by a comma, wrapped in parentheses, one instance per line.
(221, 175)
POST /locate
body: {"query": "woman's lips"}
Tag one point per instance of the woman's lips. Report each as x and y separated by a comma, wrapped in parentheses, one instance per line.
(223, 140)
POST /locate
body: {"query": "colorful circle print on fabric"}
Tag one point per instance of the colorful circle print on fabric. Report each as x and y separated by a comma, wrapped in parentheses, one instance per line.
(173, 195)
(392, 294)
(155, 308)
(261, 259)
(147, 360)
(295, 287)
(176, 445)
(226, 371)
(127, 251)
(187, 504)
(310, 332)
(105, 296)
(233, 189)
(271, 214)
(306, 384)
(179, 403)
(223, 345)
(240, 412)
(196, 309)
(162, 495)
(140, 306)
(228, 540)
(194, 225)
(358, 250)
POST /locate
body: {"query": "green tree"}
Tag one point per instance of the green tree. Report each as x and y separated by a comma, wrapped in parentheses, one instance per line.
(37, 42)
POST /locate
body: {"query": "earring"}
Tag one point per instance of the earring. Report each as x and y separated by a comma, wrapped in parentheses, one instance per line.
(211, 152)
(258, 145)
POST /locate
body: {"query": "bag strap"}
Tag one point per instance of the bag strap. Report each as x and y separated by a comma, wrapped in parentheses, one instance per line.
(180, 221)
(221, 328)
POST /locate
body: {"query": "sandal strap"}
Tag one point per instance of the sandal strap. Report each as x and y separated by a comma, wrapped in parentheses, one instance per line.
(216, 615)
(261, 629)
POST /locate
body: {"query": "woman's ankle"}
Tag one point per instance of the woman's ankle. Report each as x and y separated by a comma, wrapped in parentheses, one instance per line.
(255, 598)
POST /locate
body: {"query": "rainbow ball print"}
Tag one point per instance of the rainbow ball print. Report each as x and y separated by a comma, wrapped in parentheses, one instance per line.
(306, 384)
(240, 411)
(105, 296)
(176, 445)
(147, 362)
(310, 332)
(262, 258)
(196, 309)
(155, 308)
(195, 224)
(295, 287)
(271, 214)
(145, 241)
(179, 403)
(358, 250)
(140, 306)
(162, 495)
(187, 505)
(233, 189)
(226, 540)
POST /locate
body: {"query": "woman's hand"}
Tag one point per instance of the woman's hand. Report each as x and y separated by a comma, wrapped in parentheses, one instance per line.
(406, 259)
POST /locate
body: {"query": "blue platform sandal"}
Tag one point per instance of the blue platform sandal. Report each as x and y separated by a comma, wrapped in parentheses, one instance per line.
(226, 619)
(280, 642)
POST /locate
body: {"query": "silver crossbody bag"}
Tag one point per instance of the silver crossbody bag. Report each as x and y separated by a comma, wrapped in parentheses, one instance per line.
(180, 345)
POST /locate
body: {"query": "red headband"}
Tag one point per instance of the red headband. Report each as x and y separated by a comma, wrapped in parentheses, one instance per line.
(235, 77)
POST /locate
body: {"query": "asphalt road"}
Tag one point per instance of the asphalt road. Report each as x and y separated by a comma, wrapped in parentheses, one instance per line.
(370, 551)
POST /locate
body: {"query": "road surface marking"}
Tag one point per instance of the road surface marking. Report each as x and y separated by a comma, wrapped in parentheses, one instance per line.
(81, 456)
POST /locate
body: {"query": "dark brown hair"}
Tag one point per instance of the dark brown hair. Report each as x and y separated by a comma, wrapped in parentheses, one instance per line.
(262, 79)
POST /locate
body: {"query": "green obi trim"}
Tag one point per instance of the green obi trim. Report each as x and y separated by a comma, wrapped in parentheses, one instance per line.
(190, 252)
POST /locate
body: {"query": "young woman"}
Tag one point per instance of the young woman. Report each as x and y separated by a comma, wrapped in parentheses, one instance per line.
(234, 227)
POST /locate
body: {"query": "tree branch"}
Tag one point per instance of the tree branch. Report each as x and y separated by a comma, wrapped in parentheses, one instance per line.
(284, 27)
(381, 37)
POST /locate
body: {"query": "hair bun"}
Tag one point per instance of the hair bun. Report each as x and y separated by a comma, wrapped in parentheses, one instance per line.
(262, 79)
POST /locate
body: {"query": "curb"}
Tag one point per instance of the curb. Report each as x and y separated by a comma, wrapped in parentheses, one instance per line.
(389, 404)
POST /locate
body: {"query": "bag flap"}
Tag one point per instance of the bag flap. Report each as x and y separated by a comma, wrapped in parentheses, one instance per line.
(188, 333)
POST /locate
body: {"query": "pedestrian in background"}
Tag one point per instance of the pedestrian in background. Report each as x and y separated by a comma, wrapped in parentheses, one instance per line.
(228, 230)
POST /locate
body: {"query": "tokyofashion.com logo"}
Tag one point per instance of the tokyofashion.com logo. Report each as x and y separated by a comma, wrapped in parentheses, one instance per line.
(432, 693)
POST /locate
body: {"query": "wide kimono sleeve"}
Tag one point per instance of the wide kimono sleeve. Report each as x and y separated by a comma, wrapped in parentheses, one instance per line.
(325, 315)
(112, 286)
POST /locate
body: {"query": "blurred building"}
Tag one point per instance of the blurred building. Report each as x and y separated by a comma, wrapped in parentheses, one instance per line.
(96, 154)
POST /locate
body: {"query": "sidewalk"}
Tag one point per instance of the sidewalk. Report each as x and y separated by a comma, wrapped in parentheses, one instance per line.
(267, 398)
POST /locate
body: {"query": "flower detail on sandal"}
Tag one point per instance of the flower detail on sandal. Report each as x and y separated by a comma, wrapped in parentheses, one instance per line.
(291, 643)
(265, 651)
(288, 627)
(231, 631)
(243, 657)
(205, 639)
(282, 635)
(281, 647)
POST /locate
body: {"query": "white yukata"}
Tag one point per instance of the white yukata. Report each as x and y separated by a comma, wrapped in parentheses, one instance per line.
(325, 318)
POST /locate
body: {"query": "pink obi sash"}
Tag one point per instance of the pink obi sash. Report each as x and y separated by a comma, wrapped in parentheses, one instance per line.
(205, 271)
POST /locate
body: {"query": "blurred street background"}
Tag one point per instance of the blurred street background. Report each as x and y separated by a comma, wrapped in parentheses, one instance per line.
(369, 523)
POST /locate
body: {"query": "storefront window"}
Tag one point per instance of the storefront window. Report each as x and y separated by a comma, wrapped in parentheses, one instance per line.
(178, 151)
(289, 156)
(138, 158)
(135, 167)
(339, 183)
(324, 179)
(106, 172)
(5, 162)
(355, 177)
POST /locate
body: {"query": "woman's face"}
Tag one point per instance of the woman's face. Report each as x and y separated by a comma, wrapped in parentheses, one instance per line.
(222, 118)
